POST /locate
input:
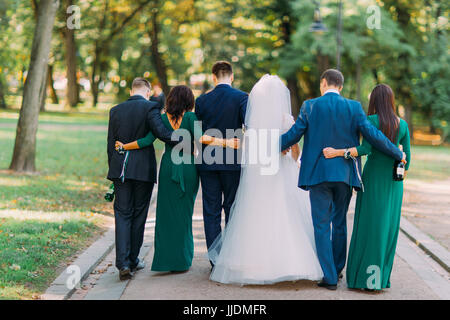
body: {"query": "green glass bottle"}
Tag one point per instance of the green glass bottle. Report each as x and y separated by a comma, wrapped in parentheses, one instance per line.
(109, 196)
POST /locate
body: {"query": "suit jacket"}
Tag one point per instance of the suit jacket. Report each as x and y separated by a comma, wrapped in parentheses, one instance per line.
(129, 121)
(333, 121)
(160, 100)
(222, 108)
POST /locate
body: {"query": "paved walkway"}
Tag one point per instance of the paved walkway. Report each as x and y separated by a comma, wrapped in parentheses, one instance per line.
(427, 205)
(415, 276)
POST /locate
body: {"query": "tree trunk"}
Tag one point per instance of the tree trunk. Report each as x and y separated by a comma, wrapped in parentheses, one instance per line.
(408, 119)
(25, 145)
(323, 63)
(43, 90)
(50, 85)
(2, 94)
(158, 62)
(73, 90)
(292, 84)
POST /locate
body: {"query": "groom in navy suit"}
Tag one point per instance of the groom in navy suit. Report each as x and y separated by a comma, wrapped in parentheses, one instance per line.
(221, 110)
(332, 120)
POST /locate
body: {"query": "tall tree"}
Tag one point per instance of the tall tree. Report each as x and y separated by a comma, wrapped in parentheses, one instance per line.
(158, 61)
(110, 26)
(2, 95)
(25, 145)
(73, 90)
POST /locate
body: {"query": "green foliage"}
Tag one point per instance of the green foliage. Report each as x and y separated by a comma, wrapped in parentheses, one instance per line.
(409, 52)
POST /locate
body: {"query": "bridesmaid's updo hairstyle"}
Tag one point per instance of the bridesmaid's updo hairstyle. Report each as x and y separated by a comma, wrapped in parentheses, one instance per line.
(382, 103)
(179, 101)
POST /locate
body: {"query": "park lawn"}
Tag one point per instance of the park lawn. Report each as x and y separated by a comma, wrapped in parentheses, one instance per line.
(45, 218)
(429, 163)
(31, 251)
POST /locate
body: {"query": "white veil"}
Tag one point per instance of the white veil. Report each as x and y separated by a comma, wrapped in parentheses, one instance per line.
(269, 236)
(268, 103)
(268, 116)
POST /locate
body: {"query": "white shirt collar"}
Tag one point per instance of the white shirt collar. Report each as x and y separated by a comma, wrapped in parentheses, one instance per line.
(331, 91)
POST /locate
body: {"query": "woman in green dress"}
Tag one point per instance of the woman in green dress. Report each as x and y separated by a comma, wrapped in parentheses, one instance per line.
(378, 207)
(178, 182)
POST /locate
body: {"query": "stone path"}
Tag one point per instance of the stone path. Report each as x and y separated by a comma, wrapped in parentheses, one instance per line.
(427, 206)
(415, 276)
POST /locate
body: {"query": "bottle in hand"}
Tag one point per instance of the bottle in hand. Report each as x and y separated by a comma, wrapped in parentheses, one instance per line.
(109, 196)
(399, 169)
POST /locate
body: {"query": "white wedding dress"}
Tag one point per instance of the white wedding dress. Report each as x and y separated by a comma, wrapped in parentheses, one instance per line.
(269, 237)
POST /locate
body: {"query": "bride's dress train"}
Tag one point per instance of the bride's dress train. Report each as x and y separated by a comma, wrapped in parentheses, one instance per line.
(269, 237)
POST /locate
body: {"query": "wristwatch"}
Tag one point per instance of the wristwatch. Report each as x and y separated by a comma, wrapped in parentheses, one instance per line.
(347, 154)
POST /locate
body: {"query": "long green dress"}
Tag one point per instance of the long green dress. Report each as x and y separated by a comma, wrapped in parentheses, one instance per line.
(377, 217)
(177, 189)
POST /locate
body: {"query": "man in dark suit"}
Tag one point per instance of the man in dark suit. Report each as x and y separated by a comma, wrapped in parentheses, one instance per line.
(332, 120)
(134, 174)
(222, 112)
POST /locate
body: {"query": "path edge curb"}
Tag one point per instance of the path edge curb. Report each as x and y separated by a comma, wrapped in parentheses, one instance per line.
(87, 261)
(436, 251)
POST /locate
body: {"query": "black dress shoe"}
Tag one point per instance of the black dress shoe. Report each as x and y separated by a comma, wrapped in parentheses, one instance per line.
(327, 286)
(139, 266)
(125, 273)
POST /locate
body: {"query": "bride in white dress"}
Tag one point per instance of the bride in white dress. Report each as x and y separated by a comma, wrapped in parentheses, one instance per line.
(269, 237)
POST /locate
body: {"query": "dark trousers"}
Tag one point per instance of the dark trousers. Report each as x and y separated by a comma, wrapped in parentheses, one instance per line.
(132, 199)
(329, 205)
(218, 190)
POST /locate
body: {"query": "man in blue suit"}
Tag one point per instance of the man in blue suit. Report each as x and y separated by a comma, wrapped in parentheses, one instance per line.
(222, 112)
(332, 120)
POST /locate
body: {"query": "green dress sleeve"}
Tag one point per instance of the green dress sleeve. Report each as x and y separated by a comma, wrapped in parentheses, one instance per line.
(146, 141)
(405, 142)
(366, 148)
(194, 127)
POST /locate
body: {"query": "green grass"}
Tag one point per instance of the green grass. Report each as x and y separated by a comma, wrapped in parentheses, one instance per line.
(48, 216)
(71, 165)
(30, 251)
(430, 163)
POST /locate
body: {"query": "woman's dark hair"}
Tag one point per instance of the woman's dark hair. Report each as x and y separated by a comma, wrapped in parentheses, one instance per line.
(179, 101)
(382, 103)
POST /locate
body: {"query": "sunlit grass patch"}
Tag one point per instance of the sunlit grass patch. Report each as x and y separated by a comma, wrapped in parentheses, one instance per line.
(47, 217)
(31, 251)
(430, 163)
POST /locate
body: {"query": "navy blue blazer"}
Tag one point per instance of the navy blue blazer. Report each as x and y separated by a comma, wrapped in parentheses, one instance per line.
(222, 108)
(333, 121)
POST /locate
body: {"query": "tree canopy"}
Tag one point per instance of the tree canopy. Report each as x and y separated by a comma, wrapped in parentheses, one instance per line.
(177, 41)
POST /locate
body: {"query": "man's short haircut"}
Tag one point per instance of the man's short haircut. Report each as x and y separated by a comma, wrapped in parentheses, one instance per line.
(140, 83)
(222, 69)
(334, 77)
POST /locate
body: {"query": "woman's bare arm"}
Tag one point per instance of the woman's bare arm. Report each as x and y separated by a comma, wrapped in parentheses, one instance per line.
(330, 153)
(129, 146)
(233, 143)
(295, 151)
